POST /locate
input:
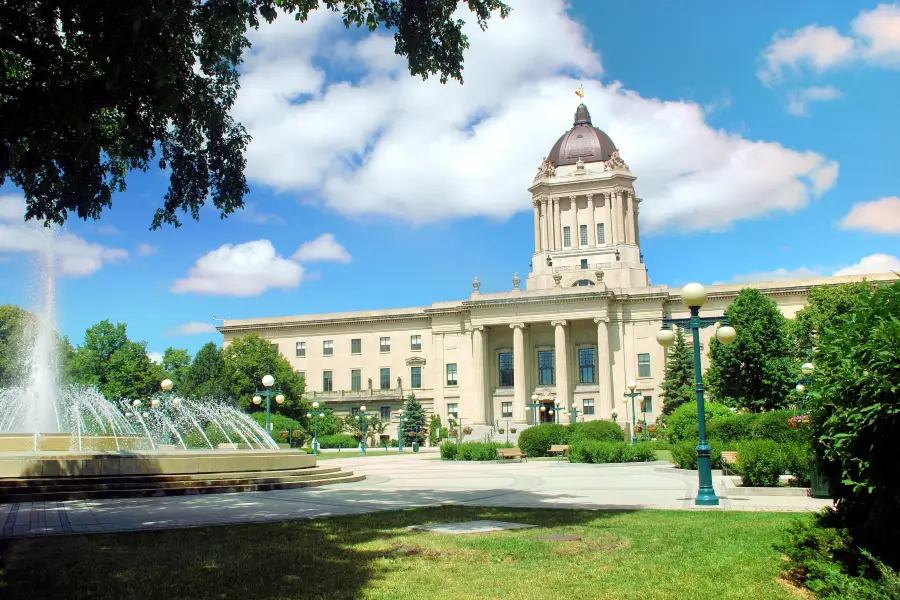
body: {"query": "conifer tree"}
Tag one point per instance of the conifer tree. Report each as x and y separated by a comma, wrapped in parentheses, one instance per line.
(679, 386)
(414, 421)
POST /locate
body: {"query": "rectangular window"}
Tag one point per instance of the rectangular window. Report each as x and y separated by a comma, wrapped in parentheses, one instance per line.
(385, 344)
(415, 376)
(274, 348)
(601, 233)
(302, 375)
(386, 414)
(567, 237)
(506, 410)
(385, 379)
(584, 263)
(452, 409)
(588, 407)
(327, 348)
(356, 346)
(643, 365)
(415, 342)
(545, 367)
(451, 373)
(582, 234)
(506, 369)
(300, 350)
(647, 404)
(587, 365)
(356, 380)
(327, 381)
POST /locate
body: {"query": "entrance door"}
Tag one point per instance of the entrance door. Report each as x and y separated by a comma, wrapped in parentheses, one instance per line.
(546, 416)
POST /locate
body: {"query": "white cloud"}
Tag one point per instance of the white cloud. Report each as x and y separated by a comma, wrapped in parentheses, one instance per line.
(876, 263)
(390, 144)
(251, 214)
(877, 216)
(323, 248)
(193, 328)
(155, 357)
(798, 100)
(242, 270)
(874, 39)
(781, 274)
(74, 256)
(147, 249)
(873, 264)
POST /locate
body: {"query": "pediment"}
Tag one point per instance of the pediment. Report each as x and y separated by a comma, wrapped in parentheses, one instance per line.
(415, 361)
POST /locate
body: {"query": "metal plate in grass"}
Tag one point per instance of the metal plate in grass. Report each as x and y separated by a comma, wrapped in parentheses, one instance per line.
(470, 527)
(558, 538)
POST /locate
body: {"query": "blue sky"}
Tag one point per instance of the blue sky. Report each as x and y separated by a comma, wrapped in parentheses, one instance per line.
(763, 138)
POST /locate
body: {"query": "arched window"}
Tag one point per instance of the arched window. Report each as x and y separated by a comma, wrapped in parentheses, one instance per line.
(582, 283)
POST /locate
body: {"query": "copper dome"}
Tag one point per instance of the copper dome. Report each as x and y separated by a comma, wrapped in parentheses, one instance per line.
(583, 141)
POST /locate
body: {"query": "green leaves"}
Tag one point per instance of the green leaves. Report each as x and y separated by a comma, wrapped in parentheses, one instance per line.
(679, 386)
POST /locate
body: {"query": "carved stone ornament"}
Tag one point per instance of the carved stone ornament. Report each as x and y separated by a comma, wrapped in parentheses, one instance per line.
(545, 170)
(557, 279)
(399, 383)
(615, 162)
(599, 275)
(370, 383)
(579, 167)
(476, 285)
(516, 281)
(618, 255)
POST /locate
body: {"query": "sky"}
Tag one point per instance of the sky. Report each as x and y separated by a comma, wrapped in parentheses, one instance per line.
(763, 137)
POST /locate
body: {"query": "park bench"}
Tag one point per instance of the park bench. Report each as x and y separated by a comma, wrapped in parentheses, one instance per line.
(558, 450)
(728, 458)
(504, 453)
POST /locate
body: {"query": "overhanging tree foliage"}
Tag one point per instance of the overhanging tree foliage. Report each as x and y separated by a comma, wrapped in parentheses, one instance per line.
(247, 360)
(680, 385)
(825, 307)
(90, 91)
(758, 371)
(206, 376)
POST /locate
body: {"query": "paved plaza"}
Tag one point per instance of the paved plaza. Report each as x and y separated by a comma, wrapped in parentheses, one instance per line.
(397, 482)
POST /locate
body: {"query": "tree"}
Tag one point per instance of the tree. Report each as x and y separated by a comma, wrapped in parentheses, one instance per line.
(375, 426)
(14, 323)
(826, 306)
(757, 371)
(206, 377)
(177, 364)
(414, 421)
(92, 90)
(91, 361)
(247, 360)
(680, 385)
(131, 374)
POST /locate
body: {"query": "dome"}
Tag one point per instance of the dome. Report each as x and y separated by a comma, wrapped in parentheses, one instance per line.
(583, 141)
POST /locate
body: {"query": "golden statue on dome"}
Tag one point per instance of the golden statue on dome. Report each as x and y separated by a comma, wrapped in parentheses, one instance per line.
(580, 93)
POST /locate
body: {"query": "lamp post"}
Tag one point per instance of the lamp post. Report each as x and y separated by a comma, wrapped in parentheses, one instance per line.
(640, 401)
(694, 296)
(614, 416)
(574, 413)
(557, 411)
(268, 381)
(807, 369)
(362, 427)
(534, 408)
(400, 431)
(632, 385)
(166, 386)
(317, 412)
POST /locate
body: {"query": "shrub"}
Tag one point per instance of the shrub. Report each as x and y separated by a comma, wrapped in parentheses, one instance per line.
(601, 431)
(279, 423)
(338, 441)
(448, 450)
(774, 426)
(797, 462)
(683, 421)
(731, 429)
(640, 452)
(479, 450)
(684, 454)
(592, 451)
(761, 462)
(536, 441)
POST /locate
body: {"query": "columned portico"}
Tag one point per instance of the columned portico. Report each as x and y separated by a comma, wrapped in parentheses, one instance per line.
(519, 372)
(479, 390)
(563, 393)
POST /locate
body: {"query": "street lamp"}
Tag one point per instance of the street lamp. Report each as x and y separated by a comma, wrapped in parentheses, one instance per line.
(557, 402)
(574, 412)
(268, 381)
(632, 385)
(400, 431)
(614, 416)
(693, 295)
(317, 412)
(362, 427)
(534, 408)
(640, 401)
(166, 385)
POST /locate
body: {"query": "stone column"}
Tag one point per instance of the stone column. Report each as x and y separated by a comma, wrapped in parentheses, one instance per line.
(557, 230)
(610, 233)
(537, 226)
(562, 363)
(573, 208)
(618, 216)
(629, 221)
(477, 416)
(592, 221)
(519, 372)
(544, 223)
(636, 202)
(604, 370)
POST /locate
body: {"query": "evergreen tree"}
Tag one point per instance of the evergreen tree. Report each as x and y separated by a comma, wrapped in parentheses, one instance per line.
(413, 421)
(206, 376)
(680, 385)
(758, 371)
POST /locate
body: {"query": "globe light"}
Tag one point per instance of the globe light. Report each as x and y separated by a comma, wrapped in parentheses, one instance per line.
(257, 399)
(551, 411)
(362, 409)
(693, 295)
(639, 398)
(315, 405)
(400, 411)
(128, 415)
(726, 334)
(543, 408)
(574, 405)
(807, 368)
(321, 415)
(309, 415)
(145, 415)
(166, 385)
(268, 380)
(665, 337)
(176, 402)
(534, 397)
(557, 401)
(154, 403)
(279, 398)
(632, 385)
(136, 403)
(800, 388)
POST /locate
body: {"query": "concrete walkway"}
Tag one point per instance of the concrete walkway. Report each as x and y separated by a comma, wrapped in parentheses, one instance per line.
(396, 482)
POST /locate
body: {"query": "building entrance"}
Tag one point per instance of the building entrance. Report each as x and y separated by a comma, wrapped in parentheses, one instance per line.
(547, 414)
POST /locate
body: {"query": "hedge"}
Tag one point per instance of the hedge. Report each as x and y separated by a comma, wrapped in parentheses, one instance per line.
(684, 454)
(592, 451)
(473, 451)
(601, 431)
(683, 421)
(338, 441)
(536, 441)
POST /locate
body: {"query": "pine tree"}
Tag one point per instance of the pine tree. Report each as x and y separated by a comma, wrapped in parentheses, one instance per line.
(679, 386)
(414, 421)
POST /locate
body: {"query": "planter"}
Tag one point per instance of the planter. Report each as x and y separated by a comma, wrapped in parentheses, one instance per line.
(512, 430)
(501, 431)
(652, 429)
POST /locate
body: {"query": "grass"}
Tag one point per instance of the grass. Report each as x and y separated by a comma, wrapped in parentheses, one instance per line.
(641, 555)
(664, 455)
(369, 452)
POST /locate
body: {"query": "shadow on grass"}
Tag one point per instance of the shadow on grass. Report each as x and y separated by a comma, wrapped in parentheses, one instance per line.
(330, 559)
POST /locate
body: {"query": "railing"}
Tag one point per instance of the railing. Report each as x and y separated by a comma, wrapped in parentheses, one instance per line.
(593, 267)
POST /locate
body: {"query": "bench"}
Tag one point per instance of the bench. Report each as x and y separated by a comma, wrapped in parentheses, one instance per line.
(504, 453)
(558, 450)
(728, 458)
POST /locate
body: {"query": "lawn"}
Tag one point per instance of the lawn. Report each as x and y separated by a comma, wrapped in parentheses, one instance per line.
(640, 555)
(369, 452)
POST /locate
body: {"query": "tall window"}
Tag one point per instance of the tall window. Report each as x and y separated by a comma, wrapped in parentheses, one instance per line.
(647, 404)
(386, 414)
(584, 263)
(451, 373)
(452, 409)
(506, 369)
(327, 348)
(355, 380)
(415, 376)
(356, 346)
(643, 365)
(385, 344)
(601, 233)
(587, 365)
(506, 410)
(545, 367)
(415, 342)
(385, 379)
(582, 234)
(588, 407)
(567, 237)
(327, 381)
(300, 350)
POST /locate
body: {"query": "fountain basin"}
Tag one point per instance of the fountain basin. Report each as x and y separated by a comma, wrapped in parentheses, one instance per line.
(63, 442)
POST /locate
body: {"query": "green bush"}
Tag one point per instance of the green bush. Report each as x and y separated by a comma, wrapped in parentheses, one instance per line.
(683, 421)
(640, 452)
(279, 423)
(448, 450)
(536, 441)
(480, 450)
(601, 431)
(773, 425)
(761, 462)
(684, 454)
(338, 441)
(731, 429)
(797, 462)
(592, 451)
